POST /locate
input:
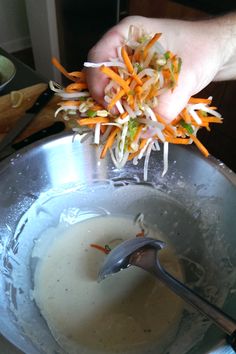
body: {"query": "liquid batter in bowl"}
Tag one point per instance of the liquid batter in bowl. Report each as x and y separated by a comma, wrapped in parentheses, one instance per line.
(130, 312)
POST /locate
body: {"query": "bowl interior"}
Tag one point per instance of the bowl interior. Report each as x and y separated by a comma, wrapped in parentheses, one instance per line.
(62, 183)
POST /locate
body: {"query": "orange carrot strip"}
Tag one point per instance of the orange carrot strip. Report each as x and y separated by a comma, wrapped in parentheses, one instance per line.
(97, 107)
(130, 66)
(186, 116)
(78, 74)
(100, 248)
(132, 155)
(69, 103)
(168, 129)
(138, 89)
(203, 124)
(213, 119)
(138, 133)
(166, 74)
(103, 128)
(127, 60)
(94, 120)
(194, 100)
(56, 63)
(130, 101)
(142, 144)
(123, 115)
(109, 141)
(180, 141)
(110, 73)
(161, 120)
(150, 44)
(200, 146)
(140, 234)
(152, 93)
(116, 98)
(137, 79)
(77, 86)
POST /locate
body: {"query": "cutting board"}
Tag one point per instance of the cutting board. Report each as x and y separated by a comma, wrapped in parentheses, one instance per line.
(10, 115)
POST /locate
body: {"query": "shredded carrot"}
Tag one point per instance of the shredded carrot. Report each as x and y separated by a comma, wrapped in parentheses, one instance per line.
(97, 107)
(77, 86)
(109, 141)
(186, 116)
(130, 101)
(177, 119)
(138, 90)
(124, 115)
(56, 63)
(138, 133)
(169, 130)
(110, 73)
(69, 103)
(116, 98)
(166, 74)
(127, 60)
(210, 119)
(200, 146)
(143, 143)
(94, 120)
(100, 248)
(132, 155)
(150, 44)
(130, 66)
(78, 75)
(140, 234)
(194, 100)
(181, 141)
(103, 128)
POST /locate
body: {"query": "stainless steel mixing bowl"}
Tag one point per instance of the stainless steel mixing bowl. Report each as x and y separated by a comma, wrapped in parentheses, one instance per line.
(194, 205)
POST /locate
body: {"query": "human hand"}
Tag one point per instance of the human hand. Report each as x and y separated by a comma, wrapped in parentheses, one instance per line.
(201, 45)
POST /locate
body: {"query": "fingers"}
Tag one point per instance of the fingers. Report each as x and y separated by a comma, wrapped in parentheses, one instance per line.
(102, 51)
(171, 103)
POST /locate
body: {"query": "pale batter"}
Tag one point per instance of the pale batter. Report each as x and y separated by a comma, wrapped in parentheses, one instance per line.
(129, 312)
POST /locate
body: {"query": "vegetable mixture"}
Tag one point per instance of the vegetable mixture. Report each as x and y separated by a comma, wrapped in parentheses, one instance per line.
(142, 71)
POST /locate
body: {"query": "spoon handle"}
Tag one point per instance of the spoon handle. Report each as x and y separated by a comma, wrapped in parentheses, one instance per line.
(225, 322)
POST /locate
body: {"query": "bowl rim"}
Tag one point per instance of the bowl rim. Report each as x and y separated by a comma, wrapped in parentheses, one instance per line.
(220, 166)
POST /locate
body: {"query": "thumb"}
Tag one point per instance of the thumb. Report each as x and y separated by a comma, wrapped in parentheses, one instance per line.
(102, 51)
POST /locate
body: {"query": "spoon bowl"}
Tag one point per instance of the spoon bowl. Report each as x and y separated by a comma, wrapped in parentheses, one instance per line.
(142, 252)
(119, 257)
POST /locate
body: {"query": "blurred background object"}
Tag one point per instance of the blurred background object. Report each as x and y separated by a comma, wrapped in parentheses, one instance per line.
(7, 71)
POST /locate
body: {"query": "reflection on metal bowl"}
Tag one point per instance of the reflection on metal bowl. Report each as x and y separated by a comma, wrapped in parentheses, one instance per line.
(193, 206)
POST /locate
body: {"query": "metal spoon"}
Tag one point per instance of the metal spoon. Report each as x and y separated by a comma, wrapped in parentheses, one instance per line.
(142, 252)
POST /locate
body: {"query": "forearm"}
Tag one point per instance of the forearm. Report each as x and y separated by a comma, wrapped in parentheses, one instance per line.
(227, 34)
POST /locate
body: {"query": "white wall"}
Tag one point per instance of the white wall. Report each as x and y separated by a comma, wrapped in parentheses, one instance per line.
(14, 31)
(42, 17)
